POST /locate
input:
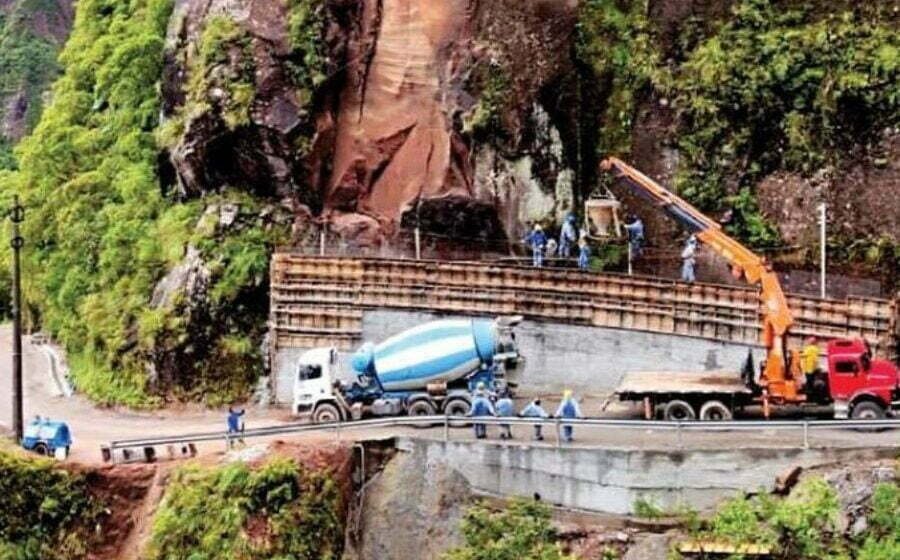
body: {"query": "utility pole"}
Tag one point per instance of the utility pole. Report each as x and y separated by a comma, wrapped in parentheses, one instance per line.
(17, 215)
(822, 249)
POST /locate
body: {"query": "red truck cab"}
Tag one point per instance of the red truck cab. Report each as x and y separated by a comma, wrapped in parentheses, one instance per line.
(860, 386)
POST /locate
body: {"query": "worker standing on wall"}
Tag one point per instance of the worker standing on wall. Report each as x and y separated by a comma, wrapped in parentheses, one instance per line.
(537, 240)
(534, 410)
(505, 409)
(568, 408)
(567, 237)
(481, 406)
(689, 260)
(635, 230)
(235, 424)
(584, 253)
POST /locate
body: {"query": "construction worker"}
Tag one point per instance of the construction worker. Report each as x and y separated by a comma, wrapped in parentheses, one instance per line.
(635, 229)
(235, 425)
(534, 410)
(537, 240)
(567, 237)
(809, 358)
(689, 260)
(550, 251)
(584, 253)
(568, 408)
(506, 409)
(481, 406)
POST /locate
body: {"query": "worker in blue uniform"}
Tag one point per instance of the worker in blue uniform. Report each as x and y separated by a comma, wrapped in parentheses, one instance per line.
(505, 409)
(568, 408)
(567, 237)
(534, 410)
(481, 406)
(635, 230)
(537, 240)
(235, 425)
(584, 253)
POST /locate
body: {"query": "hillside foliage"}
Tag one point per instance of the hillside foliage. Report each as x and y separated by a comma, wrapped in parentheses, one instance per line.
(27, 66)
(520, 531)
(777, 86)
(46, 513)
(101, 232)
(805, 525)
(276, 511)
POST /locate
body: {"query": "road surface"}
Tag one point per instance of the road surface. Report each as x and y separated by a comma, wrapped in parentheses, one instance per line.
(94, 426)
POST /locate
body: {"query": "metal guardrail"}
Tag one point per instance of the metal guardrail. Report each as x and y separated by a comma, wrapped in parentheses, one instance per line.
(448, 422)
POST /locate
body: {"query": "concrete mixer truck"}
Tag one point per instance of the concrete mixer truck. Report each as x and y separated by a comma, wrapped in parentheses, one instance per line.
(429, 369)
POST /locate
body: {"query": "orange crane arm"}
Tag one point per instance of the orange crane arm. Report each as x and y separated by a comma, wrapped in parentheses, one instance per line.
(777, 319)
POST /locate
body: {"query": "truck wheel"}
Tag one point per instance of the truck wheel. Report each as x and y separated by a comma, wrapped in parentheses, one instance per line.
(326, 413)
(715, 411)
(422, 408)
(457, 407)
(679, 411)
(867, 410)
(41, 449)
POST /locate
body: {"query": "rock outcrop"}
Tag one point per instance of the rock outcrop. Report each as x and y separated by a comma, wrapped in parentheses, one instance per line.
(385, 139)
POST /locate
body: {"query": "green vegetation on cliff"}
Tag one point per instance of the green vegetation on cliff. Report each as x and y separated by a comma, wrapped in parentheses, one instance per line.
(806, 524)
(210, 71)
(101, 233)
(27, 67)
(46, 513)
(521, 531)
(777, 86)
(277, 511)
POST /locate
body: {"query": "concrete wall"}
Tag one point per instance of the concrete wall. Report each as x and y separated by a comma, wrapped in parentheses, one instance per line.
(611, 480)
(589, 360)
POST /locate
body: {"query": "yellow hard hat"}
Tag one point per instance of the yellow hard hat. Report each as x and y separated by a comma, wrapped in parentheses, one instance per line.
(480, 385)
(567, 393)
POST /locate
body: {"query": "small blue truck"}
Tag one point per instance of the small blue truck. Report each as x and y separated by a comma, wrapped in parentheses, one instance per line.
(47, 437)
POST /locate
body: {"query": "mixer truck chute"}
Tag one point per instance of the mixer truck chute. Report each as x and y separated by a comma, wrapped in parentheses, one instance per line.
(429, 369)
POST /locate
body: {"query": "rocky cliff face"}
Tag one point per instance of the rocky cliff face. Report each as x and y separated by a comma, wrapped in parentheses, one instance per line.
(388, 133)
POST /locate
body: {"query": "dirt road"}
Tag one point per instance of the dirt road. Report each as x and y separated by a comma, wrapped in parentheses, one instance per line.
(93, 426)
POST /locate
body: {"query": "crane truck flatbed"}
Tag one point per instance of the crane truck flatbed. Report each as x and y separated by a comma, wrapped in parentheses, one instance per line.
(640, 384)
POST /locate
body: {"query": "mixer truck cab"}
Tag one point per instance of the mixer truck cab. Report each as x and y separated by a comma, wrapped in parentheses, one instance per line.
(427, 370)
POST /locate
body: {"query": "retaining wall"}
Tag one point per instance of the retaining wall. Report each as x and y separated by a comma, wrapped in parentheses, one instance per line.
(611, 480)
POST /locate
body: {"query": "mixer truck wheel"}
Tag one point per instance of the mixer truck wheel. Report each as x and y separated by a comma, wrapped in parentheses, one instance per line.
(714, 411)
(457, 407)
(422, 408)
(679, 411)
(326, 413)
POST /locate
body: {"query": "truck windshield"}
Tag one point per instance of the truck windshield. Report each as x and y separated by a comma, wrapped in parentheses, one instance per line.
(309, 372)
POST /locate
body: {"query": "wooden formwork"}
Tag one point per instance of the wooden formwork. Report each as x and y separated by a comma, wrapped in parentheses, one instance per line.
(321, 299)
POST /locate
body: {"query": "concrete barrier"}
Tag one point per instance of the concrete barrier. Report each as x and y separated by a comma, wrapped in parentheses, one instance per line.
(612, 480)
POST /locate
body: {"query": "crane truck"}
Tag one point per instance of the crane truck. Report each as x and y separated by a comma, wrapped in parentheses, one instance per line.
(429, 369)
(855, 384)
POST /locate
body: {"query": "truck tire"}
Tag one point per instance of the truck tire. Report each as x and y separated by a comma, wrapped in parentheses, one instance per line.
(41, 449)
(679, 411)
(457, 407)
(422, 407)
(867, 410)
(326, 413)
(715, 411)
